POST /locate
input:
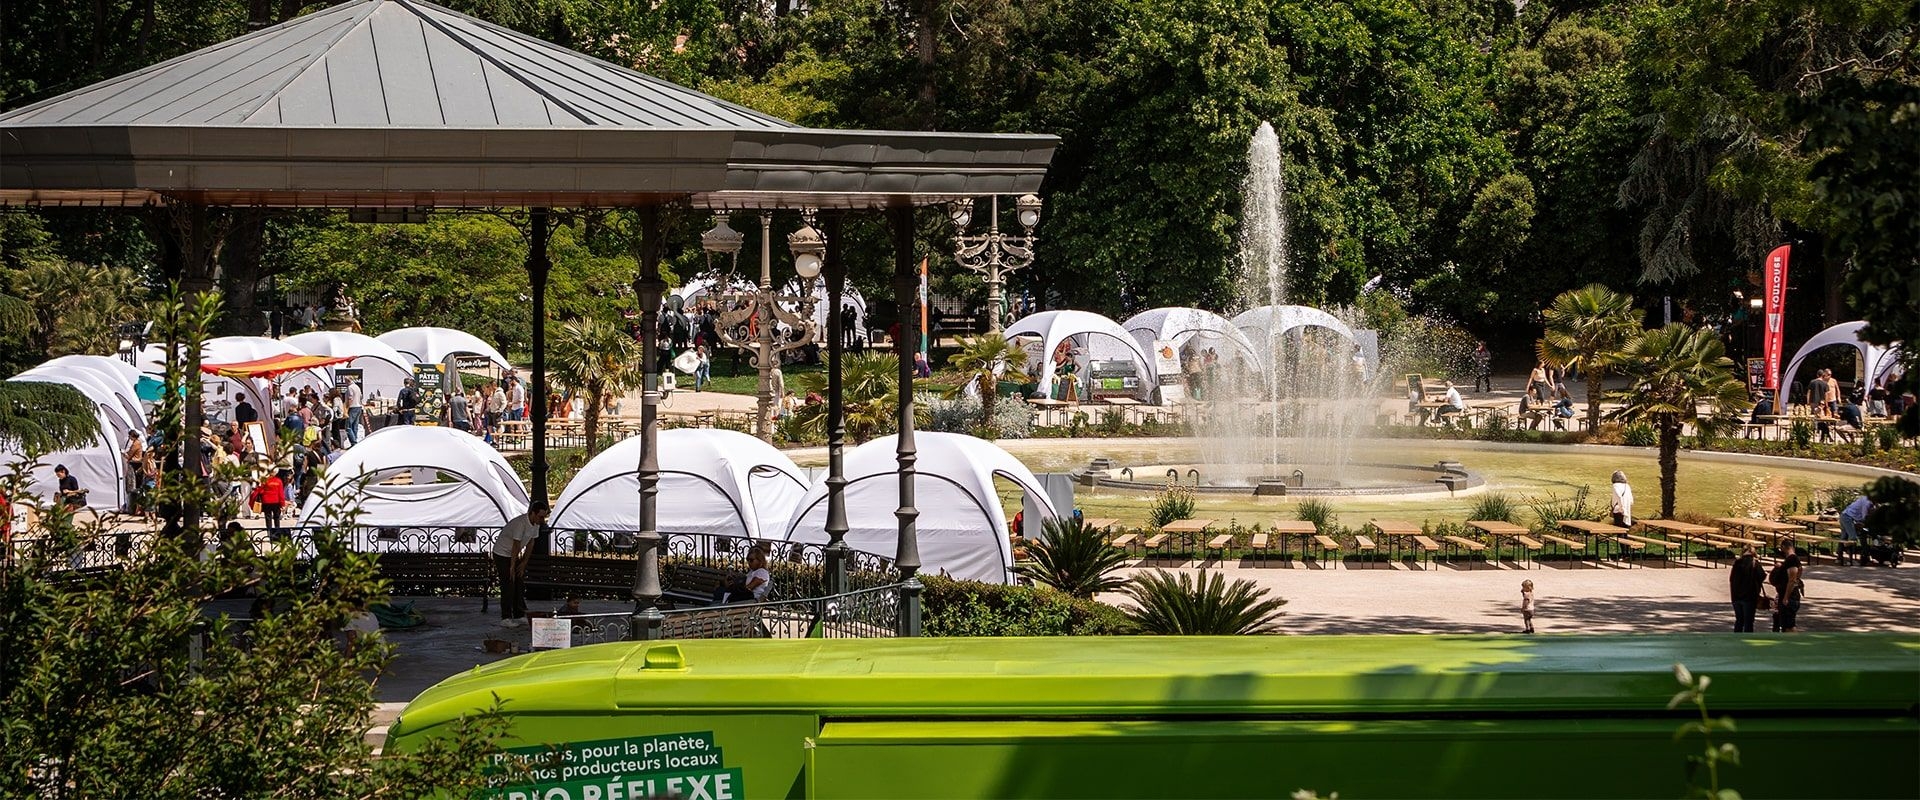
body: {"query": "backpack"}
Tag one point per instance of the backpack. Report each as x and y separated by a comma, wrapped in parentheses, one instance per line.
(1778, 578)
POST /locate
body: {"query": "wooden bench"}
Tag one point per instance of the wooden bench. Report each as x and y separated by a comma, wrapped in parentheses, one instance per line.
(1426, 547)
(1219, 544)
(407, 573)
(1125, 541)
(718, 622)
(1158, 541)
(1261, 543)
(1327, 545)
(582, 576)
(693, 583)
(1459, 543)
(1367, 546)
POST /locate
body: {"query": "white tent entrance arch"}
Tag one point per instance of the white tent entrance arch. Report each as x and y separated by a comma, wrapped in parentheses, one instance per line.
(1876, 361)
(1094, 337)
(429, 345)
(457, 482)
(1264, 325)
(1177, 326)
(962, 528)
(383, 370)
(712, 481)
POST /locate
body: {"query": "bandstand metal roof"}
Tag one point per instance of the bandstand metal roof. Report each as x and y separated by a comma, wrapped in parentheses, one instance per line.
(401, 103)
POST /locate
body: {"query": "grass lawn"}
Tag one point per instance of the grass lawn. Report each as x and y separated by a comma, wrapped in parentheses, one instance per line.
(748, 381)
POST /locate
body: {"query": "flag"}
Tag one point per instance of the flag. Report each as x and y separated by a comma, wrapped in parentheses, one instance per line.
(1775, 291)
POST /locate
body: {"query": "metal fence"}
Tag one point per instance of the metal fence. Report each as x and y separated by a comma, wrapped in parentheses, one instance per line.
(871, 613)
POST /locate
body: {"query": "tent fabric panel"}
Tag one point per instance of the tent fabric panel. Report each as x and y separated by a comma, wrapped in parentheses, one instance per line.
(1102, 338)
(1872, 356)
(498, 493)
(957, 536)
(271, 366)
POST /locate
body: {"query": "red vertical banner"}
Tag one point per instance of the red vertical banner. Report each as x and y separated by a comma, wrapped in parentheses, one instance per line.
(1772, 338)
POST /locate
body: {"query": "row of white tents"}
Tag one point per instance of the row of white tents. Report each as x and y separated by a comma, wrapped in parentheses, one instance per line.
(1247, 339)
(115, 387)
(712, 481)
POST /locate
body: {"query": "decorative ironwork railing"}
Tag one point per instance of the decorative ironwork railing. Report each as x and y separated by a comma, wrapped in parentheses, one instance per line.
(870, 613)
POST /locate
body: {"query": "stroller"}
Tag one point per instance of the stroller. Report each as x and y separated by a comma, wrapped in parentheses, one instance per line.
(1878, 549)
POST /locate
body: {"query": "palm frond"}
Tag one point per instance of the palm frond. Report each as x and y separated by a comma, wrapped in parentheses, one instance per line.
(1180, 605)
(1075, 559)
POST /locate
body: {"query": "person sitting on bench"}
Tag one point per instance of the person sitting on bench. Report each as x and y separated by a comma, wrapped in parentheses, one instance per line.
(752, 586)
(69, 491)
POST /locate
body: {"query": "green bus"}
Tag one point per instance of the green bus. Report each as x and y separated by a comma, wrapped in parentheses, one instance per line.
(1818, 715)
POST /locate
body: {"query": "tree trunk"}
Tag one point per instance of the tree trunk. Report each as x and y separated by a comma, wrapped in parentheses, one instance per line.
(590, 417)
(1669, 462)
(240, 268)
(1594, 380)
(925, 43)
(987, 386)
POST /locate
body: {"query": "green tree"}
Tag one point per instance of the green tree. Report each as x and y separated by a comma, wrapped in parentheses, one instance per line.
(1172, 604)
(981, 361)
(1586, 329)
(41, 418)
(596, 359)
(1075, 558)
(1672, 372)
(107, 693)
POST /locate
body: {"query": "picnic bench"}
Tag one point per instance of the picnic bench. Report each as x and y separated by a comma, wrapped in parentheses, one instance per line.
(1457, 543)
(1182, 529)
(1501, 529)
(1289, 528)
(1568, 546)
(410, 573)
(1260, 543)
(1125, 541)
(1395, 533)
(1327, 545)
(1426, 546)
(1681, 533)
(1219, 544)
(1366, 545)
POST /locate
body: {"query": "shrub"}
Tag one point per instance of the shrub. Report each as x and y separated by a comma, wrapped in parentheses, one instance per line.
(1552, 509)
(1492, 506)
(1888, 436)
(953, 414)
(1174, 502)
(971, 608)
(1317, 511)
(1800, 433)
(1012, 420)
(1113, 421)
(1181, 605)
(1638, 434)
(1075, 559)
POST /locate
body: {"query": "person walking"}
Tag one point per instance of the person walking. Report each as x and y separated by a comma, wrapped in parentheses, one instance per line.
(1789, 588)
(511, 549)
(1539, 381)
(1744, 585)
(1482, 368)
(271, 496)
(356, 411)
(702, 367)
(1622, 507)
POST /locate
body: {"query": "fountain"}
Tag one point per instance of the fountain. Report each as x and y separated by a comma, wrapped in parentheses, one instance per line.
(1288, 426)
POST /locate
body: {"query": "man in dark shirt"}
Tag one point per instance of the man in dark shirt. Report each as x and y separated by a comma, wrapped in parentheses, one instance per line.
(69, 490)
(244, 412)
(409, 403)
(1745, 582)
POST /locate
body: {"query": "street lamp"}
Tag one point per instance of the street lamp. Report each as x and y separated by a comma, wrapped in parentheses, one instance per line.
(994, 254)
(750, 324)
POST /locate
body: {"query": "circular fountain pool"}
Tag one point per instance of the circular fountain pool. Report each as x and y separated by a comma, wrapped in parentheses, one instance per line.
(1306, 480)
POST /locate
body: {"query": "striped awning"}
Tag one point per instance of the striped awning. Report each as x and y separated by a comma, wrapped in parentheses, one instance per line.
(271, 366)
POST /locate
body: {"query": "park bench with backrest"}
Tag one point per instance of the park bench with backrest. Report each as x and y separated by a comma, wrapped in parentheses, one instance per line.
(582, 576)
(717, 622)
(410, 573)
(694, 584)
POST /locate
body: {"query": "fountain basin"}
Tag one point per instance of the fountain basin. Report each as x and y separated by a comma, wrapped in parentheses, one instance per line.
(1310, 480)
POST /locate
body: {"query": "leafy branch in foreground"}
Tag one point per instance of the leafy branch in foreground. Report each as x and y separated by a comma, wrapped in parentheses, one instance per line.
(1712, 756)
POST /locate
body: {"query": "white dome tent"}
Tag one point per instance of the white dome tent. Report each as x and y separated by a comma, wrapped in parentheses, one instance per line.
(1877, 361)
(712, 481)
(1264, 324)
(1095, 337)
(1177, 326)
(383, 369)
(98, 466)
(428, 345)
(229, 350)
(962, 529)
(459, 482)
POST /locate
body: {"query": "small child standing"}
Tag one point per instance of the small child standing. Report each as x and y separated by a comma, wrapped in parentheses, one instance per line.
(1526, 604)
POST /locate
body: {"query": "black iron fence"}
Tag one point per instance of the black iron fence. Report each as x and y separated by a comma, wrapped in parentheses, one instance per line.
(870, 613)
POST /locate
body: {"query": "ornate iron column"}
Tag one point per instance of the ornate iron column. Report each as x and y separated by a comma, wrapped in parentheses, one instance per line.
(994, 254)
(537, 267)
(836, 552)
(907, 293)
(647, 289)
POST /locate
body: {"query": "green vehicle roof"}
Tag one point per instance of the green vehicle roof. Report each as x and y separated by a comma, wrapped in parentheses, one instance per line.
(1245, 675)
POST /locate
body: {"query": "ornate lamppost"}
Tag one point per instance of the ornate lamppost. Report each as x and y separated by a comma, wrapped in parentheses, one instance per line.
(994, 254)
(749, 320)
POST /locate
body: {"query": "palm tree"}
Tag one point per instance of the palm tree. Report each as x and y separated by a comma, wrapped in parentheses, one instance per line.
(595, 358)
(1586, 329)
(1075, 559)
(1178, 605)
(870, 392)
(981, 361)
(1673, 371)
